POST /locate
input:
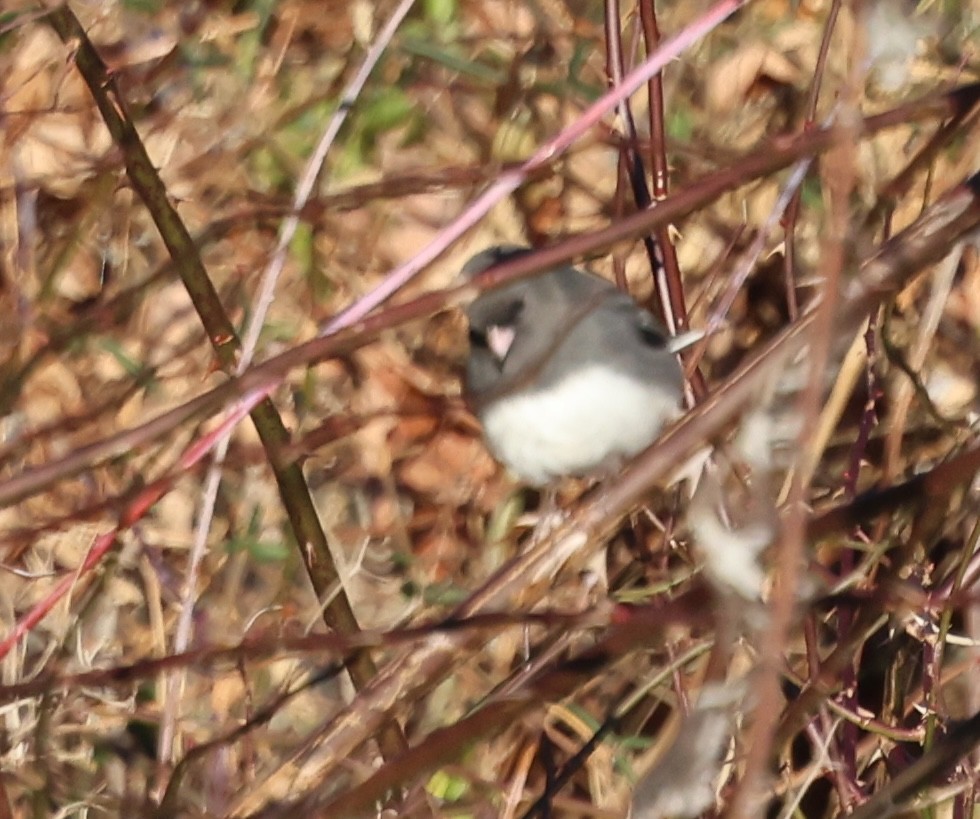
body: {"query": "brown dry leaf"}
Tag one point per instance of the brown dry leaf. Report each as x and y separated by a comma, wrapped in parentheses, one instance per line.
(226, 695)
(441, 552)
(372, 445)
(411, 429)
(953, 393)
(56, 140)
(151, 45)
(97, 641)
(52, 392)
(30, 79)
(384, 388)
(227, 28)
(172, 522)
(387, 515)
(964, 301)
(67, 549)
(453, 469)
(731, 78)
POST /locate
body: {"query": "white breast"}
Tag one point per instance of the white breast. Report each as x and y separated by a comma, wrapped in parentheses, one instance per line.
(589, 419)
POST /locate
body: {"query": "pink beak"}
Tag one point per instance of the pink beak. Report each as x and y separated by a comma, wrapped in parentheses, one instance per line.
(499, 339)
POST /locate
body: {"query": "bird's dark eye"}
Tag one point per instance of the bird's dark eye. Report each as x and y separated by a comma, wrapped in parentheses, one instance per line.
(478, 338)
(508, 313)
(653, 335)
(505, 314)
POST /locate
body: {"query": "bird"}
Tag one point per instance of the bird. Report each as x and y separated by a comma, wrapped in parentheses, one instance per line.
(568, 375)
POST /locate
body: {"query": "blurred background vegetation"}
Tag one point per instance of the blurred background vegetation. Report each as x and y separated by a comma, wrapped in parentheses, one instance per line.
(98, 335)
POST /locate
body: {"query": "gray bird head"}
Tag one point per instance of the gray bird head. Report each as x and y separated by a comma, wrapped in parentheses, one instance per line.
(537, 312)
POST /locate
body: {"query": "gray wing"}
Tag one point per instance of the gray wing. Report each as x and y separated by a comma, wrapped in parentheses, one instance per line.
(622, 335)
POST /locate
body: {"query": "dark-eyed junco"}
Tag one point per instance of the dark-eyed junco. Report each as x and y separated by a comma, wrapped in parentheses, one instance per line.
(568, 375)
